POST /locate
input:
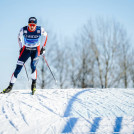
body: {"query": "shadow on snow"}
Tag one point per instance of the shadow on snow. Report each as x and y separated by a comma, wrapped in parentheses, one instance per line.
(94, 126)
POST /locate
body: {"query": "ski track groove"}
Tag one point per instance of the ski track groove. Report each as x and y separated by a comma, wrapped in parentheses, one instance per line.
(23, 117)
(120, 102)
(107, 105)
(11, 106)
(19, 112)
(30, 106)
(93, 103)
(84, 108)
(11, 123)
(82, 116)
(44, 106)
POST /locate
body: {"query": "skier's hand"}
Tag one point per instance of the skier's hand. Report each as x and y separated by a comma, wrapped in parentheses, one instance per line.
(42, 51)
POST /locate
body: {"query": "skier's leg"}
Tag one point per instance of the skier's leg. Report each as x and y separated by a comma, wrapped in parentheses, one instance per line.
(34, 60)
(24, 55)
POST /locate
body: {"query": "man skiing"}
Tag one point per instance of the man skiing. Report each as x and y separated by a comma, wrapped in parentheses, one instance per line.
(30, 35)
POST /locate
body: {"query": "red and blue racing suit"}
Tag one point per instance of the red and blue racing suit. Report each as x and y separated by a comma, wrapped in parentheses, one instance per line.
(31, 48)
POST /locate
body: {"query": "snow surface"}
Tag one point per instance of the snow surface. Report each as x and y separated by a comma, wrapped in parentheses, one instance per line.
(77, 111)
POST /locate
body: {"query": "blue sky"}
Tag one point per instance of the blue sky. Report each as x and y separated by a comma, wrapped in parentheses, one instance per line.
(64, 17)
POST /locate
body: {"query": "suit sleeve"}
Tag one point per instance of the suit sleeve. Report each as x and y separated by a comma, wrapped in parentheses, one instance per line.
(44, 33)
(20, 35)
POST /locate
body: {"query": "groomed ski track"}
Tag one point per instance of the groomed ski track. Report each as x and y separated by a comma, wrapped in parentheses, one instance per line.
(77, 111)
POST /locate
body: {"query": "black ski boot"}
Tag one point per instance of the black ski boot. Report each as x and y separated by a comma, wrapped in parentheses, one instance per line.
(8, 89)
(33, 86)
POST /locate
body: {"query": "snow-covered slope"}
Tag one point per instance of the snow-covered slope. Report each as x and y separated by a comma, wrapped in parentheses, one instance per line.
(77, 111)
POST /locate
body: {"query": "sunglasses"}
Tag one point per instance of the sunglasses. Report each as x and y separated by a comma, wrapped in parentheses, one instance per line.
(32, 24)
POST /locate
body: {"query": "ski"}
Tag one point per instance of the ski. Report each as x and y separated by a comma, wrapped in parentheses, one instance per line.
(9, 92)
(33, 92)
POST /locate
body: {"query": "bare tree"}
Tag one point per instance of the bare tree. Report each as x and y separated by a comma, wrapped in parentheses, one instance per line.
(131, 68)
(98, 58)
(73, 70)
(84, 74)
(124, 56)
(61, 66)
(100, 47)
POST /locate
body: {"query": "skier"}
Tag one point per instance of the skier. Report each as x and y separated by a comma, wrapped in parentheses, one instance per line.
(30, 35)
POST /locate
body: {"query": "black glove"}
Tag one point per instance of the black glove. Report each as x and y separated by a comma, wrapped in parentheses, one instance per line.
(21, 50)
(42, 51)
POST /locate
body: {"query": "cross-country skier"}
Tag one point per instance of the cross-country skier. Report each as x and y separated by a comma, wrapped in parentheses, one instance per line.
(30, 35)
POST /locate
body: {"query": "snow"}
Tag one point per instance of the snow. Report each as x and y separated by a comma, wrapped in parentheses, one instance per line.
(77, 111)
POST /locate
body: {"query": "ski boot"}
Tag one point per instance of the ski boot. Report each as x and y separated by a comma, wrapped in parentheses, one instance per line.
(8, 89)
(33, 86)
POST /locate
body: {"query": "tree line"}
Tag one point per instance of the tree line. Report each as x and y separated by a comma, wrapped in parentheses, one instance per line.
(101, 56)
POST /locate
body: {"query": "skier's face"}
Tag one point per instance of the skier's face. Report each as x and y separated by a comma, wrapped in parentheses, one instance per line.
(32, 26)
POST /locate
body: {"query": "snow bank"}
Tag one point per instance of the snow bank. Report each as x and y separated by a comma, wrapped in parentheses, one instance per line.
(55, 111)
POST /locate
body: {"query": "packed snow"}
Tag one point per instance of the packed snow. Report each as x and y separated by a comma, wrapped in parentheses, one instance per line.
(77, 111)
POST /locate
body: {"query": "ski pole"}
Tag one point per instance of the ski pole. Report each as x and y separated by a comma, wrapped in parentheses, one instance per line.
(50, 69)
(26, 72)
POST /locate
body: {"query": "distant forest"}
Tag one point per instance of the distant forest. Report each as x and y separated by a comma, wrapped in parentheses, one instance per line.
(99, 56)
